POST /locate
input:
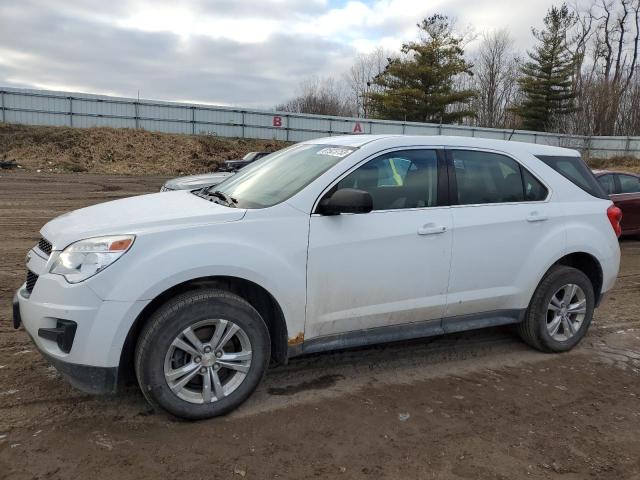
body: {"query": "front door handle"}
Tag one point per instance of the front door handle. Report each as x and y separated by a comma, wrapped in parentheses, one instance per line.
(431, 229)
(536, 217)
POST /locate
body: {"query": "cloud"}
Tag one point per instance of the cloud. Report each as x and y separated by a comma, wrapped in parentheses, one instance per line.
(97, 57)
(233, 52)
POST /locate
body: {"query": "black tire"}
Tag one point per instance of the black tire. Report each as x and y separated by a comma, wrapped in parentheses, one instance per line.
(176, 315)
(533, 329)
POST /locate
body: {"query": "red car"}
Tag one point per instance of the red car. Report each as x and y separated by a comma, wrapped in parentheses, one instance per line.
(624, 190)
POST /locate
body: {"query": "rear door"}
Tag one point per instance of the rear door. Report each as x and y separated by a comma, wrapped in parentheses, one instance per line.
(499, 213)
(627, 198)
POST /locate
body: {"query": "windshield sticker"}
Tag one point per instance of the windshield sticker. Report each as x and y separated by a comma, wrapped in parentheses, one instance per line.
(335, 152)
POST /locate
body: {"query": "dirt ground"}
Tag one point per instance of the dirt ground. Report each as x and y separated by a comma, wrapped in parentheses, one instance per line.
(479, 405)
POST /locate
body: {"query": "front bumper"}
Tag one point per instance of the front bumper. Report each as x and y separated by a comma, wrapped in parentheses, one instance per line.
(89, 379)
(79, 333)
(17, 319)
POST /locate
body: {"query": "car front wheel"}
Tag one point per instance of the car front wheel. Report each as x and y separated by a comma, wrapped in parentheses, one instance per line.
(202, 354)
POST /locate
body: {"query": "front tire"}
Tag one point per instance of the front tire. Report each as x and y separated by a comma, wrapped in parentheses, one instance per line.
(202, 354)
(560, 311)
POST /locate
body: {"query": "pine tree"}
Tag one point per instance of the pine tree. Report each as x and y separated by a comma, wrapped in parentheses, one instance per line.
(546, 79)
(419, 86)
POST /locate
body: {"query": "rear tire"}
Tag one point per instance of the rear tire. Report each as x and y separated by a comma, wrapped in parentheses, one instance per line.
(202, 354)
(560, 311)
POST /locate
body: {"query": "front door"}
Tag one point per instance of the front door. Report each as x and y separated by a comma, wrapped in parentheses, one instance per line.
(389, 266)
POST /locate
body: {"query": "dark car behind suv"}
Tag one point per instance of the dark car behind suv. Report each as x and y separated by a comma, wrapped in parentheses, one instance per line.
(624, 190)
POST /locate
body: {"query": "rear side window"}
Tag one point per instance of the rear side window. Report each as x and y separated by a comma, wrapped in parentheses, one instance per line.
(576, 171)
(629, 184)
(534, 191)
(483, 177)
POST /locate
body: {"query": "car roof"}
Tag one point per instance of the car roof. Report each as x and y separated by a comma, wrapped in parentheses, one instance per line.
(357, 141)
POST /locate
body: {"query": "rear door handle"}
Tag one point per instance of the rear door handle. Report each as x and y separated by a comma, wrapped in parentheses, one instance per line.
(431, 229)
(536, 217)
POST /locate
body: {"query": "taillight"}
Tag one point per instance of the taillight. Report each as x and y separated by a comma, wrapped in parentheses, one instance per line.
(615, 217)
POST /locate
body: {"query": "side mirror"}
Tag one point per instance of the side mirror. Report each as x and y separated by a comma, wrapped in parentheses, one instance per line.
(346, 200)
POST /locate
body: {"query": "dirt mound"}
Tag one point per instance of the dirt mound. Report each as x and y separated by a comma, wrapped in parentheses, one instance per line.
(120, 150)
(127, 151)
(623, 163)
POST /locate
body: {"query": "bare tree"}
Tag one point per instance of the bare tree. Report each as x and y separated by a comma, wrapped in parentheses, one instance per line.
(605, 46)
(366, 67)
(580, 41)
(615, 51)
(629, 116)
(495, 74)
(321, 96)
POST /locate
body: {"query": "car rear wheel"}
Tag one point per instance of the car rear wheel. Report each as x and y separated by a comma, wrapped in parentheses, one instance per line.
(202, 354)
(560, 311)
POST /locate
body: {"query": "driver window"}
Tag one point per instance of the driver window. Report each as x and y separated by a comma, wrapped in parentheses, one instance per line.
(397, 180)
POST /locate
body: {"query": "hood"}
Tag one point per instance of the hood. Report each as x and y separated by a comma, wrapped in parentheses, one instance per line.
(192, 182)
(135, 215)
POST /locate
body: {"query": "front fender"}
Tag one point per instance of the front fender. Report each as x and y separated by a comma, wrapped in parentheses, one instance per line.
(257, 250)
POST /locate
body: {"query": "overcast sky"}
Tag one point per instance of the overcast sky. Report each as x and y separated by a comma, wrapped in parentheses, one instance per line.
(232, 52)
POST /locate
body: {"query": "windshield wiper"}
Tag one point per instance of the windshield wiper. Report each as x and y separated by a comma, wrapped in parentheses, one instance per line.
(229, 200)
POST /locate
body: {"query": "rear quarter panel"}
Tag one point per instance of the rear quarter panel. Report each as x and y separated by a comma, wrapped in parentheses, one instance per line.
(589, 230)
(585, 224)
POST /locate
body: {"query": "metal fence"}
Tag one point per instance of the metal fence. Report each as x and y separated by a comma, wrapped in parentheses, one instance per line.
(41, 107)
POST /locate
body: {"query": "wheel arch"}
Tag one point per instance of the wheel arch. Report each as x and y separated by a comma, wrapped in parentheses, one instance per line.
(587, 264)
(259, 298)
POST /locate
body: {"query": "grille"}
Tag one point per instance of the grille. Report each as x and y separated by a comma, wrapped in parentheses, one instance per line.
(45, 246)
(32, 278)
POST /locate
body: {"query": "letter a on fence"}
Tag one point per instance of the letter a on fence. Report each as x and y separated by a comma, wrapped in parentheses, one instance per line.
(357, 128)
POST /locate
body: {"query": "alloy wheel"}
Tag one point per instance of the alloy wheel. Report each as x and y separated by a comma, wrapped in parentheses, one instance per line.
(566, 312)
(207, 361)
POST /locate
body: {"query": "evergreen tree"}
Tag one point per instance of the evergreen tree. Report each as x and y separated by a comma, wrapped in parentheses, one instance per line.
(547, 78)
(419, 86)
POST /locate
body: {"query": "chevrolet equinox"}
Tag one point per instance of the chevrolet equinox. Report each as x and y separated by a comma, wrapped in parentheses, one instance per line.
(328, 244)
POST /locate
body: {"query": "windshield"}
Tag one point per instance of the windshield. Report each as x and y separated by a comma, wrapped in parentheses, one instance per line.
(276, 177)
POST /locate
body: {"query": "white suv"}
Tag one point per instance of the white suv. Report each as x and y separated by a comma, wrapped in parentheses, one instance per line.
(328, 244)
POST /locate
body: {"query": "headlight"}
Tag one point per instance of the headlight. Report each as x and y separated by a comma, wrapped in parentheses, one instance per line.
(85, 258)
